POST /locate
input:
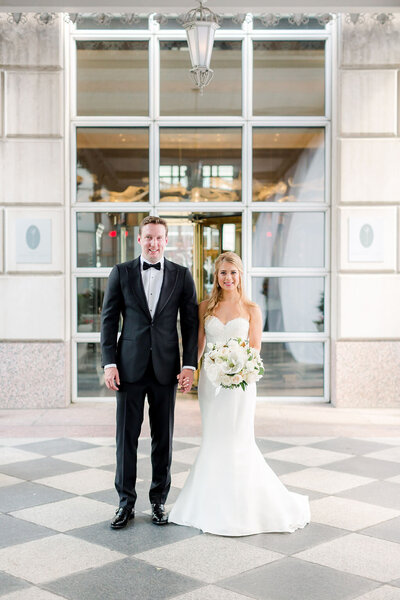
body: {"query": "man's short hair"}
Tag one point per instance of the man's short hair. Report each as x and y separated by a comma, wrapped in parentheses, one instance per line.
(156, 220)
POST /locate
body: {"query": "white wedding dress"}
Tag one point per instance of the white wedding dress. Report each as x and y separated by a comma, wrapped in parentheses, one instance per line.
(230, 489)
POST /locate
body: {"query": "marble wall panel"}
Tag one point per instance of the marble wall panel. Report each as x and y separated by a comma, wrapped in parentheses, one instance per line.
(369, 170)
(1, 240)
(55, 260)
(368, 102)
(367, 374)
(35, 308)
(31, 172)
(34, 103)
(34, 375)
(382, 245)
(31, 44)
(368, 307)
(369, 43)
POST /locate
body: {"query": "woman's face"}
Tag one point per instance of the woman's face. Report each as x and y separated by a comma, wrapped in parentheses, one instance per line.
(228, 276)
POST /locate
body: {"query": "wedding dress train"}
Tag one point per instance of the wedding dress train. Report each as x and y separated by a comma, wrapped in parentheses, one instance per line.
(230, 489)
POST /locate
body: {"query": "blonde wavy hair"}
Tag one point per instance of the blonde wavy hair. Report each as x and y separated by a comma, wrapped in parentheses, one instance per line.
(216, 292)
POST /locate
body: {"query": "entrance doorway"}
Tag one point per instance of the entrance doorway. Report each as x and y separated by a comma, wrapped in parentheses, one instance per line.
(196, 239)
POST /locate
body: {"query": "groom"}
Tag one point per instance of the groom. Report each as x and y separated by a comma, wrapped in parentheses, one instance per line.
(148, 292)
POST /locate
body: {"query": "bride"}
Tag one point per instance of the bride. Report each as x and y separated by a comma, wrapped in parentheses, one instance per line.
(230, 489)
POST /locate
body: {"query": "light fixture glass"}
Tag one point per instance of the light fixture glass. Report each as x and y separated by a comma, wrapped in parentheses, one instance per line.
(200, 24)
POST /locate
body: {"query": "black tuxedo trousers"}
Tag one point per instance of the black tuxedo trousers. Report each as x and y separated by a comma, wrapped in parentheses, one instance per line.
(130, 409)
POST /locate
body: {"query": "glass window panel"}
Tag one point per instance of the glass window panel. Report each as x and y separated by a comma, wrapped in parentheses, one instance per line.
(90, 294)
(90, 371)
(289, 78)
(112, 78)
(288, 239)
(193, 149)
(104, 239)
(290, 304)
(292, 369)
(223, 96)
(288, 164)
(112, 164)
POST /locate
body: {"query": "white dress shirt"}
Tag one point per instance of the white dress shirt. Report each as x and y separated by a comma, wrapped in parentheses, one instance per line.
(152, 281)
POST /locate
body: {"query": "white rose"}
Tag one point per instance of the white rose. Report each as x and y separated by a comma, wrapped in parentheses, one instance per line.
(226, 380)
(251, 378)
(236, 379)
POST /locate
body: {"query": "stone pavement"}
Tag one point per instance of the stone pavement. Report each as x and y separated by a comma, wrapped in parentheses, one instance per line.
(57, 498)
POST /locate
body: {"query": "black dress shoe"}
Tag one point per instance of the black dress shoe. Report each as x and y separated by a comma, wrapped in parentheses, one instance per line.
(122, 516)
(158, 514)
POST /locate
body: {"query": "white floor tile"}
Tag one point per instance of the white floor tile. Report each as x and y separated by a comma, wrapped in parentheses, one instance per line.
(93, 457)
(98, 441)
(53, 557)
(299, 440)
(81, 482)
(9, 455)
(386, 592)
(67, 514)
(188, 455)
(33, 593)
(358, 554)
(349, 514)
(310, 457)
(178, 479)
(211, 592)
(6, 480)
(209, 558)
(324, 480)
(392, 454)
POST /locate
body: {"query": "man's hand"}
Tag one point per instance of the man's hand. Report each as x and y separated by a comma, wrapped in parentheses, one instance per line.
(185, 380)
(111, 378)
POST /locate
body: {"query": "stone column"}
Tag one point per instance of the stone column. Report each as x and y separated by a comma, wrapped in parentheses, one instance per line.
(366, 343)
(34, 346)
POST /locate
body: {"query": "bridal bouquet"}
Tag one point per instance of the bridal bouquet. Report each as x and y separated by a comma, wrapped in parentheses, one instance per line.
(233, 364)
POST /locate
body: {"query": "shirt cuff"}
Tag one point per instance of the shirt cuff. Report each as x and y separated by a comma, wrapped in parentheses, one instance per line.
(187, 367)
(109, 366)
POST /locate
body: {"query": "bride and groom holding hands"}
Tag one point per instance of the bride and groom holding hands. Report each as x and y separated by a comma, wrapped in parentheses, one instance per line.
(230, 489)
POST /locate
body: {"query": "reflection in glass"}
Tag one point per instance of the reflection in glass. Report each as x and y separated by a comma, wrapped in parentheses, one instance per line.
(90, 371)
(223, 97)
(292, 369)
(112, 77)
(288, 164)
(288, 239)
(290, 304)
(112, 164)
(90, 294)
(289, 78)
(200, 164)
(104, 239)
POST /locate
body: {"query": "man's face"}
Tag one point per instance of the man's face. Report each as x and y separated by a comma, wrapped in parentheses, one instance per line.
(153, 241)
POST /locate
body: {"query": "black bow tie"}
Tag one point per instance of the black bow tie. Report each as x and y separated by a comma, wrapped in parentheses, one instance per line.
(147, 265)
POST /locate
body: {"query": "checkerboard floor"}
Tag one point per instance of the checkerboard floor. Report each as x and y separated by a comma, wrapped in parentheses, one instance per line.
(57, 498)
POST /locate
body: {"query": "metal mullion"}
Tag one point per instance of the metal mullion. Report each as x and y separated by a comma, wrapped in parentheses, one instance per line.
(154, 77)
(117, 207)
(288, 272)
(109, 122)
(291, 399)
(94, 272)
(295, 121)
(112, 35)
(293, 336)
(246, 164)
(154, 167)
(289, 35)
(288, 207)
(200, 207)
(201, 121)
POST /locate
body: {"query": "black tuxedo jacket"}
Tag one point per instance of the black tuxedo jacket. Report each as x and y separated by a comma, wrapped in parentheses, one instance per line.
(140, 333)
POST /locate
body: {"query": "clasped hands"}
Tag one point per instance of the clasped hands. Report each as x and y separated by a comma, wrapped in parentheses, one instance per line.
(185, 379)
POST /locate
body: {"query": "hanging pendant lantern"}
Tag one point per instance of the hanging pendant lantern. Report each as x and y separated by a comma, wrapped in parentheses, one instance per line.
(200, 24)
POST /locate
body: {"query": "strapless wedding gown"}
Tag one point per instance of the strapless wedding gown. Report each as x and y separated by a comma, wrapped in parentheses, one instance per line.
(230, 489)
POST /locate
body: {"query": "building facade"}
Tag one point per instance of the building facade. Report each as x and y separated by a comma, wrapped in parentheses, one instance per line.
(289, 157)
